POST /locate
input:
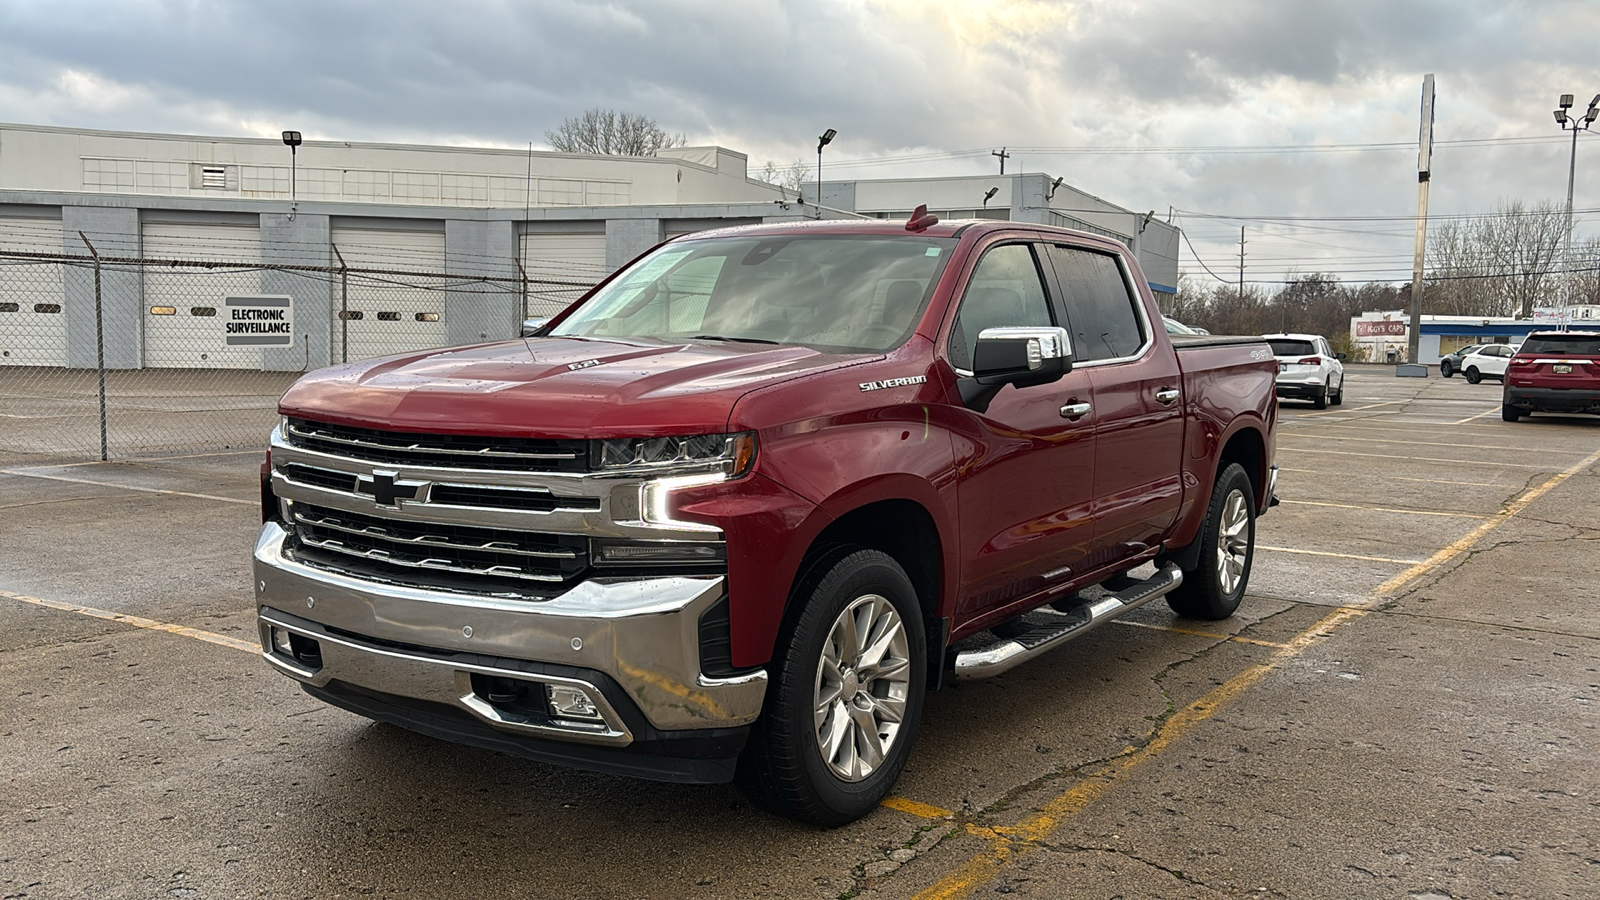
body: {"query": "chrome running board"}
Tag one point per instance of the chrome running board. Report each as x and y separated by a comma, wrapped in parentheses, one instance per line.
(1005, 653)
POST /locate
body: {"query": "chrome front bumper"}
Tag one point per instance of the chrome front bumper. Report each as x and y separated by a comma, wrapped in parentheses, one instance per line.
(642, 633)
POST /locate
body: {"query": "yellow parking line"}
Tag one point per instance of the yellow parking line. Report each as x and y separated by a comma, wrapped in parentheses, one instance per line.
(1414, 512)
(139, 622)
(24, 473)
(920, 810)
(1012, 843)
(1382, 559)
(1205, 634)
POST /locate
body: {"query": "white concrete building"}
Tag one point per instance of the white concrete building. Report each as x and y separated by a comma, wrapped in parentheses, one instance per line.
(449, 213)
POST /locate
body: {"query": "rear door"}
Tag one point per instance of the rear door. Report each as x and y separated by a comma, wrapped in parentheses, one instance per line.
(1025, 464)
(1138, 405)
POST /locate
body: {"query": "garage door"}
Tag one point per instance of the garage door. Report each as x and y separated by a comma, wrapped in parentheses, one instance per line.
(562, 266)
(185, 308)
(389, 313)
(33, 329)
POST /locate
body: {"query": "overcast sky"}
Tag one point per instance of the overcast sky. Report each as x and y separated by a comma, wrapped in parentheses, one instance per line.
(1132, 101)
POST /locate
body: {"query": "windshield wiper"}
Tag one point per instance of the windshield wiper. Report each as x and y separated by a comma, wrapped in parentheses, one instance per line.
(740, 340)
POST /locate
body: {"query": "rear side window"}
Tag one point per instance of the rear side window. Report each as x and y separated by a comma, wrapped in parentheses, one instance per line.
(1005, 290)
(1292, 348)
(1570, 344)
(1099, 305)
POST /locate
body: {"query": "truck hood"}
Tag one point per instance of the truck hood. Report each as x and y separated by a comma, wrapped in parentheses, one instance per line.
(554, 387)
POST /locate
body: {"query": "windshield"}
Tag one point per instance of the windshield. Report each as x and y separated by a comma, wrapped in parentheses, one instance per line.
(1574, 343)
(1292, 348)
(848, 293)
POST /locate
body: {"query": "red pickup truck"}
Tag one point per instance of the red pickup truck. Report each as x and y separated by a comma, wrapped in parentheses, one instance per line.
(733, 513)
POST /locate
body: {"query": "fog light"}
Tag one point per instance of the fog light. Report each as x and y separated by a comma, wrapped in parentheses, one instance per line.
(281, 643)
(568, 702)
(628, 552)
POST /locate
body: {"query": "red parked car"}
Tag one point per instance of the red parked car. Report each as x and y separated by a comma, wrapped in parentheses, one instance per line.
(1553, 371)
(738, 509)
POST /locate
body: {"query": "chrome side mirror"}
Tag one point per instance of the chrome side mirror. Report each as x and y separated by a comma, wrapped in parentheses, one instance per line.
(1021, 355)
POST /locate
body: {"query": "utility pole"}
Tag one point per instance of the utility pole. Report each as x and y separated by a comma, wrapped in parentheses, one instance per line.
(1003, 157)
(1241, 261)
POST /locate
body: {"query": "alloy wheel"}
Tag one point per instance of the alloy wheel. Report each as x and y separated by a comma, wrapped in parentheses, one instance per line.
(863, 681)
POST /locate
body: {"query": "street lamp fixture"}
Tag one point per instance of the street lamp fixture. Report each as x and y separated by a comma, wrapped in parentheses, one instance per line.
(989, 195)
(293, 139)
(823, 140)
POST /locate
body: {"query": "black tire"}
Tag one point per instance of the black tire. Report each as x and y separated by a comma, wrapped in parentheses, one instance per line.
(783, 768)
(1445, 368)
(1338, 396)
(1205, 593)
(1473, 375)
(1320, 401)
(1511, 413)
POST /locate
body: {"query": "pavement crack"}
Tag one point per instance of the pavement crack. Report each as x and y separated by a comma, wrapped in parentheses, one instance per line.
(1177, 874)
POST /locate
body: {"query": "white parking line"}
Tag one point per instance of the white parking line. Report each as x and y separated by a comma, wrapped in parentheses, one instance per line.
(1397, 478)
(23, 473)
(1414, 512)
(1455, 462)
(1490, 412)
(1328, 437)
(1382, 559)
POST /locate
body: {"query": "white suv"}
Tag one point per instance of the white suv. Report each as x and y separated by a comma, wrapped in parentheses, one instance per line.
(1308, 369)
(1488, 361)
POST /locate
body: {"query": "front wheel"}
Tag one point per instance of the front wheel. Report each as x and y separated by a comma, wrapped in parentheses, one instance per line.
(1473, 375)
(846, 696)
(1338, 396)
(1228, 540)
(1445, 368)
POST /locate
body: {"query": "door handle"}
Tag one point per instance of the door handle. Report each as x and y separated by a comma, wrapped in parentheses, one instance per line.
(1075, 410)
(1168, 396)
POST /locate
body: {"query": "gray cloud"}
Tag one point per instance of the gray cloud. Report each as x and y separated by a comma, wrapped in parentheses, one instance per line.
(895, 77)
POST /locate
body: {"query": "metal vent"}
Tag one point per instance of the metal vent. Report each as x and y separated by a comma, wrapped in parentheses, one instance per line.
(215, 177)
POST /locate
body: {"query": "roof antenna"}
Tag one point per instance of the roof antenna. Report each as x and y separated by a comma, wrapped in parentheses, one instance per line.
(921, 219)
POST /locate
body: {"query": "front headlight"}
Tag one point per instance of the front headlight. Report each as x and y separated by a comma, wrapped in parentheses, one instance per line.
(736, 452)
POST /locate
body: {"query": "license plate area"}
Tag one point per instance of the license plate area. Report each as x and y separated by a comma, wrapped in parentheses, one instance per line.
(1562, 368)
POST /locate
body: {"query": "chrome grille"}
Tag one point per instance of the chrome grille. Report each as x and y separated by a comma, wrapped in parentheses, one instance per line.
(441, 557)
(453, 451)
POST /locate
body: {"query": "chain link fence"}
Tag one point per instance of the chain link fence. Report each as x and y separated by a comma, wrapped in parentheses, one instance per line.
(106, 357)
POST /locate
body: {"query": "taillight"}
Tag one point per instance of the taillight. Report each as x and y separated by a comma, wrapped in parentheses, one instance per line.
(1309, 361)
(1521, 361)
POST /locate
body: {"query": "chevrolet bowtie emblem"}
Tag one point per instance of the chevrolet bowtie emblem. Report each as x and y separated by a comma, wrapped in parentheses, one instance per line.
(385, 490)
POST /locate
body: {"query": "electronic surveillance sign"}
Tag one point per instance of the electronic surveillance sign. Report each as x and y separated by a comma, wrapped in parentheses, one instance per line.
(260, 320)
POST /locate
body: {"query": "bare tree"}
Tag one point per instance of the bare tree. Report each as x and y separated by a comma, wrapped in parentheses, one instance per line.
(610, 133)
(1498, 265)
(789, 178)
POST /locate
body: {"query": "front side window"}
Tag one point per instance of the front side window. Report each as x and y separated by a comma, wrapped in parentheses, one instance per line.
(1005, 290)
(1101, 309)
(837, 293)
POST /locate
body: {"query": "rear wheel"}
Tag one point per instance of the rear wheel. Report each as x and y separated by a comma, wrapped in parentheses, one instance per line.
(1473, 375)
(846, 696)
(1511, 413)
(1227, 541)
(1320, 401)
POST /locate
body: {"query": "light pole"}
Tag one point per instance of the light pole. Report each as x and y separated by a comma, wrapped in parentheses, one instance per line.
(1573, 124)
(824, 140)
(292, 138)
(989, 195)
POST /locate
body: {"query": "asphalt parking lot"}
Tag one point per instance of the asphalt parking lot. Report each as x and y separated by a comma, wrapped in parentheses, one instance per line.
(1405, 706)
